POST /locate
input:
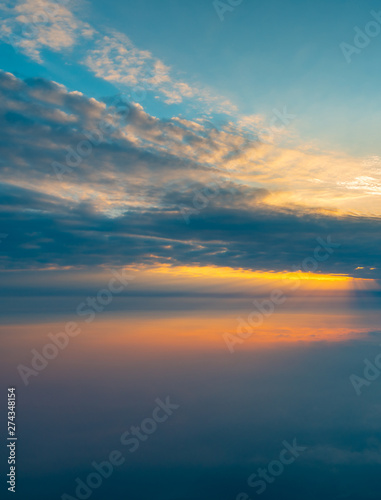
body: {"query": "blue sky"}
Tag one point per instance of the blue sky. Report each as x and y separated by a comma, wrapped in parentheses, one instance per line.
(232, 167)
(260, 57)
(260, 101)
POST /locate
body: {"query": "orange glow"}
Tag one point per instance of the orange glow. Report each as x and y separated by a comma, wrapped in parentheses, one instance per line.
(204, 331)
(228, 277)
(217, 301)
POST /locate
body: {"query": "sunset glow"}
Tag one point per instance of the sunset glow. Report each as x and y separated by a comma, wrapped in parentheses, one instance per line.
(190, 235)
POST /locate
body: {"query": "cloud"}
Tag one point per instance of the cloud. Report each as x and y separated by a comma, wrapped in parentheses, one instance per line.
(32, 26)
(175, 151)
(116, 59)
(76, 234)
(364, 183)
(132, 179)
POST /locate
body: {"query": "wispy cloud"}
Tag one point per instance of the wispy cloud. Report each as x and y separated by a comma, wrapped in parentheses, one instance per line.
(116, 59)
(32, 26)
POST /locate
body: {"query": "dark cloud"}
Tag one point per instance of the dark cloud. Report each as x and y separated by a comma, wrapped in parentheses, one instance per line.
(143, 194)
(45, 230)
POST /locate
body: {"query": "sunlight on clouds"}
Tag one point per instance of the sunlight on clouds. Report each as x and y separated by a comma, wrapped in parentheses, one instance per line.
(35, 25)
(245, 280)
(178, 152)
(298, 177)
(368, 185)
(116, 59)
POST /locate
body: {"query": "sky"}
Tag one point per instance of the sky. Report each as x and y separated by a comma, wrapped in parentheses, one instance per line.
(190, 208)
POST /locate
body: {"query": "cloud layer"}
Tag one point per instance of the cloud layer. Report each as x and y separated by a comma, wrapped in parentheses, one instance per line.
(88, 183)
